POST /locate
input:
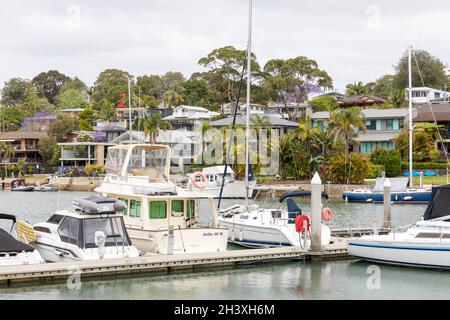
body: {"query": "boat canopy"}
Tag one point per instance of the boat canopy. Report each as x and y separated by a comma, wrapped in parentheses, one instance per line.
(439, 205)
(397, 184)
(300, 194)
(9, 244)
(139, 160)
(4, 216)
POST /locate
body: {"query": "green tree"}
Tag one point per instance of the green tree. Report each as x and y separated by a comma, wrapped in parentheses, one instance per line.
(172, 99)
(384, 86)
(149, 101)
(345, 124)
(47, 147)
(109, 84)
(63, 125)
(224, 71)
(150, 86)
(432, 68)
(151, 126)
(49, 84)
(15, 91)
(197, 92)
(87, 119)
(292, 79)
(107, 111)
(34, 104)
(7, 151)
(12, 117)
(356, 89)
(424, 146)
(324, 103)
(71, 99)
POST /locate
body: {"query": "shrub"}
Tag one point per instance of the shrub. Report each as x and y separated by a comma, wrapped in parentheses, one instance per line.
(354, 170)
(94, 170)
(374, 171)
(390, 160)
(425, 165)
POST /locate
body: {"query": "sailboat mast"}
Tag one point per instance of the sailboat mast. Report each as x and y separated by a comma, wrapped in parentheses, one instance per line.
(129, 108)
(249, 66)
(411, 185)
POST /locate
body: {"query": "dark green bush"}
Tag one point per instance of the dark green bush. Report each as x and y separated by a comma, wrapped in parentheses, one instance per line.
(425, 165)
(390, 160)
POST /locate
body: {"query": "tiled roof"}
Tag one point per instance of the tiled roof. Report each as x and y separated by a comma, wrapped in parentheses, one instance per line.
(17, 135)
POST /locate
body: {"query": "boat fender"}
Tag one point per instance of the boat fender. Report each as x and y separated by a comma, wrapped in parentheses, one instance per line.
(299, 223)
(199, 185)
(327, 214)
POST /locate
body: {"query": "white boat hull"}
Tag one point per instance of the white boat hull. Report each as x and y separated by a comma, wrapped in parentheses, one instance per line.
(421, 254)
(185, 240)
(22, 258)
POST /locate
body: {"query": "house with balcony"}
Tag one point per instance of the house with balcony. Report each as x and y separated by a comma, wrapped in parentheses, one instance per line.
(187, 118)
(422, 95)
(25, 145)
(382, 128)
(436, 114)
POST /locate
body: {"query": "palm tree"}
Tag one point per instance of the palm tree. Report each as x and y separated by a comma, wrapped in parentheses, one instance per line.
(325, 142)
(152, 126)
(7, 151)
(306, 130)
(356, 89)
(346, 123)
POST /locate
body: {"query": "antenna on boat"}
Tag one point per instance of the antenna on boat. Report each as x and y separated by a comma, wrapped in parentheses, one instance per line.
(249, 66)
(410, 118)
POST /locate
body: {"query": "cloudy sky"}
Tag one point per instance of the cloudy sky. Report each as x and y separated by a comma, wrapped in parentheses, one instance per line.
(352, 40)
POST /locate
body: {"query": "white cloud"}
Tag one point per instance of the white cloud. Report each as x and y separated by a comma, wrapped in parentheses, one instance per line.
(353, 40)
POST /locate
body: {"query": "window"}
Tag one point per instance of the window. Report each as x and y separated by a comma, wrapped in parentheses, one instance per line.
(158, 210)
(69, 230)
(55, 219)
(112, 228)
(191, 209)
(177, 208)
(371, 125)
(135, 209)
(390, 124)
(125, 212)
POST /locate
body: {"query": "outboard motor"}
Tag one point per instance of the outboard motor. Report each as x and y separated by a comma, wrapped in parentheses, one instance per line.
(293, 210)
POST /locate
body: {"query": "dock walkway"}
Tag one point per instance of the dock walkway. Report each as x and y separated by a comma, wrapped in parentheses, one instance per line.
(148, 264)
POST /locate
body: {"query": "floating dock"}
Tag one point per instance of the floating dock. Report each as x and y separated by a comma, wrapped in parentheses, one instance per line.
(153, 263)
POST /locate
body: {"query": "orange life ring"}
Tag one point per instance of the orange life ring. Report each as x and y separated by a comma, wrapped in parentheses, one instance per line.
(327, 214)
(299, 223)
(199, 185)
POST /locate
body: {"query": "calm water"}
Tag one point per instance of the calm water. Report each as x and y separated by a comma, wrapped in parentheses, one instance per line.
(296, 280)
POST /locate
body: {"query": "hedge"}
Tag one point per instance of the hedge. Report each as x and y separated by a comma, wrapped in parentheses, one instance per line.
(425, 165)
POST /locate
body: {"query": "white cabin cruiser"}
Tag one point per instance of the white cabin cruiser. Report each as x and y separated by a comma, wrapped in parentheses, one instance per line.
(424, 244)
(160, 216)
(93, 229)
(255, 227)
(209, 182)
(14, 252)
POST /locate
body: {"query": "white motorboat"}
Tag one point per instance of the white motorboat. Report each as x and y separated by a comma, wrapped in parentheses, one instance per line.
(424, 244)
(209, 182)
(256, 227)
(160, 216)
(93, 229)
(14, 252)
(18, 185)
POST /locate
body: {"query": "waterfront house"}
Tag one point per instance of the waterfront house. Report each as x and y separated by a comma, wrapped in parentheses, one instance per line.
(25, 144)
(187, 118)
(421, 95)
(281, 125)
(382, 128)
(439, 113)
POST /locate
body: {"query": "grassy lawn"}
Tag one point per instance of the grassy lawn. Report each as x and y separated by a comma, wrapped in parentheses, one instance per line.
(432, 180)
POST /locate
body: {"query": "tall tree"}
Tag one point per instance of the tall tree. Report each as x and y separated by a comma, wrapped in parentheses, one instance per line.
(49, 84)
(172, 99)
(345, 123)
(324, 103)
(15, 91)
(109, 84)
(71, 99)
(224, 71)
(198, 93)
(433, 71)
(63, 125)
(293, 79)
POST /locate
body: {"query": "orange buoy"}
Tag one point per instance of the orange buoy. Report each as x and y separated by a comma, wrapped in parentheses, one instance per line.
(199, 185)
(327, 214)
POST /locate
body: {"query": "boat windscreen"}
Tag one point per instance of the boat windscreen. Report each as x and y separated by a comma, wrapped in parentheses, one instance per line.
(151, 163)
(439, 205)
(115, 161)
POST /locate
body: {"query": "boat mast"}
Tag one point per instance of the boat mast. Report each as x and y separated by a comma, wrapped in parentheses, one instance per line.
(249, 66)
(411, 185)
